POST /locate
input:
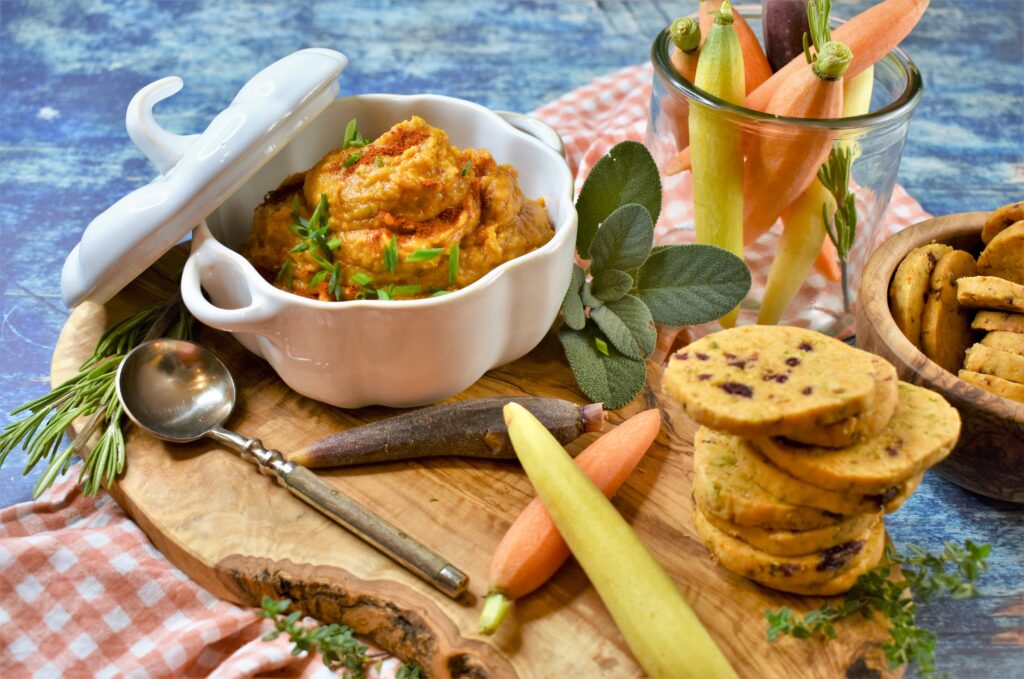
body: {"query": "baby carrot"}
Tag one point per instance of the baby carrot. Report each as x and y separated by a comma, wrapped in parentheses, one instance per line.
(756, 69)
(717, 145)
(665, 635)
(685, 34)
(532, 549)
(778, 169)
(870, 35)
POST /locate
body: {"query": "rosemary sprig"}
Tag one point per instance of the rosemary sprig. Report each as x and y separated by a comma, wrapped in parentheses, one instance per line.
(835, 176)
(90, 393)
(925, 576)
(338, 648)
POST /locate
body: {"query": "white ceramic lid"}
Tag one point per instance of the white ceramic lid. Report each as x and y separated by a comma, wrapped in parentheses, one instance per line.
(199, 171)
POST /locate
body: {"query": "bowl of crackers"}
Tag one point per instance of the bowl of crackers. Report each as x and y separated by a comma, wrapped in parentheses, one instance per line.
(943, 301)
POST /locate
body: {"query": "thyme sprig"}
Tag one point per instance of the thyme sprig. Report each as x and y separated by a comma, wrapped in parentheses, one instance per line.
(90, 393)
(951, 573)
(336, 644)
(835, 176)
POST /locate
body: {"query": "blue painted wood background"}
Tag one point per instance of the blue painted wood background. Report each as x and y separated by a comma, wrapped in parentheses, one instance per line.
(68, 69)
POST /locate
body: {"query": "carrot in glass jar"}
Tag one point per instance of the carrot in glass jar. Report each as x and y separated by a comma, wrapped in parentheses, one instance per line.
(716, 144)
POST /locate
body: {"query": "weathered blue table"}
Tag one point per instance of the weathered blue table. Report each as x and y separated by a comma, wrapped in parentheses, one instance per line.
(68, 69)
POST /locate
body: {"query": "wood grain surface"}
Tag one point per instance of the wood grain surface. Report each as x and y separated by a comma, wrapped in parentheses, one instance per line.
(989, 458)
(241, 536)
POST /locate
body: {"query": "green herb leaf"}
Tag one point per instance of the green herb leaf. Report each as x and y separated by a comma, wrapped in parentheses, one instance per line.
(572, 305)
(378, 162)
(404, 290)
(601, 345)
(690, 284)
(453, 264)
(624, 240)
(391, 254)
(588, 298)
(352, 159)
(611, 285)
(466, 168)
(383, 294)
(424, 254)
(439, 293)
(613, 379)
(350, 134)
(319, 278)
(628, 325)
(361, 279)
(627, 174)
(284, 276)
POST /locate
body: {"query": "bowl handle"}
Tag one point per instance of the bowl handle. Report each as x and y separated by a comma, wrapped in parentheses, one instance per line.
(256, 317)
(535, 128)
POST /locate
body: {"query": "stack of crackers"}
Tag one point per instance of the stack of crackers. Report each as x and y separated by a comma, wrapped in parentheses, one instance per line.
(806, 443)
(941, 297)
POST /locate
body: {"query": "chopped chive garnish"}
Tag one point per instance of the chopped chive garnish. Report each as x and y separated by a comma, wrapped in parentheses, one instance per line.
(399, 290)
(350, 134)
(466, 168)
(284, 276)
(391, 255)
(334, 287)
(438, 293)
(601, 345)
(361, 279)
(318, 278)
(424, 254)
(453, 264)
(378, 162)
(333, 244)
(301, 247)
(383, 294)
(352, 159)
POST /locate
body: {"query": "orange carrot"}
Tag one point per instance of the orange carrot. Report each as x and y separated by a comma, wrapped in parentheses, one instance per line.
(870, 36)
(756, 69)
(783, 165)
(685, 34)
(532, 549)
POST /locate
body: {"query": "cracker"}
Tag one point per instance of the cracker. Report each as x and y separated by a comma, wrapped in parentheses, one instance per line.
(922, 432)
(830, 571)
(1004, 255)
(990, 292)
(728, 491)
(996, 385)
(1004, 364)
(909, 288)
(945, 325)
(1005, 341)
(853, 429)
(759, 380)
(1000, 219)
(735, 467)
(998, 320)
(795, 543)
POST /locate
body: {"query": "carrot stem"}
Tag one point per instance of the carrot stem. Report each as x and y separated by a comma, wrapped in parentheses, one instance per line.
(496, 607)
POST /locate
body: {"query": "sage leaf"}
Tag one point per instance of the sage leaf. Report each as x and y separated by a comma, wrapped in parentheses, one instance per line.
(613, 380)
(589, 300)
(624, 240)
(610, 285)
(626, 174)
(572, 305)
(691, 284)
(628, 325)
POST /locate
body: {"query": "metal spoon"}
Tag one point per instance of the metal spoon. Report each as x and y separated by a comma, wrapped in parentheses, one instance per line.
(179, 391)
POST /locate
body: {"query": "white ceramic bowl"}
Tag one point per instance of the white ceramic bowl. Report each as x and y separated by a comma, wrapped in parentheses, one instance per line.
(393, 353)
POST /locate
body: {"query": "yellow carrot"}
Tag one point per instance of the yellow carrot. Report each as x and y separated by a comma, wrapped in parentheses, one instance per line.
(665, 635)
(716, 145)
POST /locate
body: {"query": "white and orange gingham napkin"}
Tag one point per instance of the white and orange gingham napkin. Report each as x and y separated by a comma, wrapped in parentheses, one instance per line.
(84, 594)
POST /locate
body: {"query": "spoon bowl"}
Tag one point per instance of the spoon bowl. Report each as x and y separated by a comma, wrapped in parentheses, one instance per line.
(175, 389)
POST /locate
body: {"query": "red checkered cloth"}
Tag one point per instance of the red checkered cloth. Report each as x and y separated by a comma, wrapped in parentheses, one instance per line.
(84, 594)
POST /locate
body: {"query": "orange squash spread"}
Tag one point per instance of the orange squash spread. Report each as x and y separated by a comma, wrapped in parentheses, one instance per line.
(407, 215)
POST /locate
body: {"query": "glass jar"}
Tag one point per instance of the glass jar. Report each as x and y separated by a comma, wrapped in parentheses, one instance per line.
(876, 140)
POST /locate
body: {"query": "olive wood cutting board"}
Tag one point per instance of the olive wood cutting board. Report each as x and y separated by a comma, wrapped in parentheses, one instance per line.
(241, 536)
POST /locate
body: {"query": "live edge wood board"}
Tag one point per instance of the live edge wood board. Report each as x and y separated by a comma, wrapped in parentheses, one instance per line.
(241, 536)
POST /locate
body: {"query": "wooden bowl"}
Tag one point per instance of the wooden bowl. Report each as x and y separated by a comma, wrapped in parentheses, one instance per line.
(989, 458)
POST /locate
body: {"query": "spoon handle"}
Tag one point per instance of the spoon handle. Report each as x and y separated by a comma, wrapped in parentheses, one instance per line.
(334, 504)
